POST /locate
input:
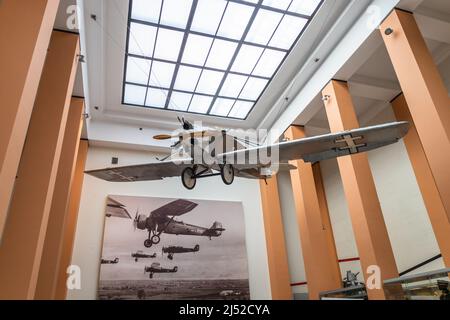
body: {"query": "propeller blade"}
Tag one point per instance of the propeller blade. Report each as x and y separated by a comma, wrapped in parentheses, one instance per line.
(162, 137)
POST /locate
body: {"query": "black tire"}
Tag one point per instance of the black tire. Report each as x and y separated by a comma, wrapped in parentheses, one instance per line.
(155, 239)
(188, 178)
(227, 174)
(148, 243)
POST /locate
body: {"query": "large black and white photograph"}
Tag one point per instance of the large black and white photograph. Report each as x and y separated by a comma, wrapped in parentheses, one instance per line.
(161, 248)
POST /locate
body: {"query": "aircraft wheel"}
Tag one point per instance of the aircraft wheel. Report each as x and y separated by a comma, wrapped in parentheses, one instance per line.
(136, 260)
(156, 239)
(188, 178)
(151, 276)
(227, 174)
(148, 243)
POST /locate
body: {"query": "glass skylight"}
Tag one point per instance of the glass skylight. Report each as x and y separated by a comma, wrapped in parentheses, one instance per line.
(213, 57)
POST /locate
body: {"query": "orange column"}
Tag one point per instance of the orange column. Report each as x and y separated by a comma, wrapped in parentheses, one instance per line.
(317, 240)
(425, 180)
(280, 281)
(425, 94)
(24, 234)
(25, 29)
(51, 254)
(369, 228)
(71, 221)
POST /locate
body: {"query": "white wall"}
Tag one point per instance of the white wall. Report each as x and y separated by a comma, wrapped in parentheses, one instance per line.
(89, 235)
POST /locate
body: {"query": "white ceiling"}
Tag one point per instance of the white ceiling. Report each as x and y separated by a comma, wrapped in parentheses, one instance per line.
(370, 74)
(374, 84)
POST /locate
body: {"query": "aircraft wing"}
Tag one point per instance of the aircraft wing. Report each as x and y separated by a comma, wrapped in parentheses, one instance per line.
(142, 172)
(174, 208)
(333, 145)
(116, 209)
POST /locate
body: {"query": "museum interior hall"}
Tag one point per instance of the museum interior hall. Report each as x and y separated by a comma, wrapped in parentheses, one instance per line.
(225, 150)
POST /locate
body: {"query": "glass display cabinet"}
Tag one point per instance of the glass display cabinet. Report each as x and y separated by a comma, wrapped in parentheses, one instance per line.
(433, 285)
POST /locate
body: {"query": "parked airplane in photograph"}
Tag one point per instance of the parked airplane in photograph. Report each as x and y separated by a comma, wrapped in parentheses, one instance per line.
(162, 220)
(193, 158)
(171, 250)
(106, 261)
(156, 268)
(141, 255)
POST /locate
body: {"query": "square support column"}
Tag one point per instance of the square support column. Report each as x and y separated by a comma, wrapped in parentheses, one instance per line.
(48, 271)
(280, 280)
(25, 30)
(70, 227)
(24, 234)
(425, 94)
(368, 223)
(427, 185)
(317, 240)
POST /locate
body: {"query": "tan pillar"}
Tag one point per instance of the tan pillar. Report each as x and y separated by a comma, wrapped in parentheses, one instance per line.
(24, 234)
(71, 221)
(317, 240)
(430, 193)
(425, 94)
(280, 281)
(368, 224)
(25, 29)
(48, 271)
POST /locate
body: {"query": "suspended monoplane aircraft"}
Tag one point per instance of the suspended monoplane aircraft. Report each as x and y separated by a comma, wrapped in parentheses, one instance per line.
(204, 152)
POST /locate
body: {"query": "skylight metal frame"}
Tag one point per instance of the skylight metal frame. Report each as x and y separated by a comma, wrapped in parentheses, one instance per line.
(186, 32)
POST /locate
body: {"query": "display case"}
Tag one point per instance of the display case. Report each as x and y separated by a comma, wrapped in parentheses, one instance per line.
(433, 285)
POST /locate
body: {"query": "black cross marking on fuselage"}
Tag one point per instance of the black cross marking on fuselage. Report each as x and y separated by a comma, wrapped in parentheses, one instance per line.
(350, 141)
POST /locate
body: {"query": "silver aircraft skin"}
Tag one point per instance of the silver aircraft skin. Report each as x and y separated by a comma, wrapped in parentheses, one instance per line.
(205, 152)
(162, 220)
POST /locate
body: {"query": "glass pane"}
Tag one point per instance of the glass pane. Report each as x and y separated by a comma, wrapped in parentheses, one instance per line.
(241, 109)
(233, 85)
(134, 94)
(246, 59)
(253, 88)
(142, 39)
(146, 10)
(279, 4)
(168, 44)
(138, 70)
(187, 78)
(209, 81)
(179, 101)
(156, 98)
(288, 32)
(269, 63)
(176, 12)
(221, 53)
(264, 26)
(207, 16)
(235, 20)
(306, 7)
(222, 107)
(200, 104)
(196, 50)
(161, 74)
